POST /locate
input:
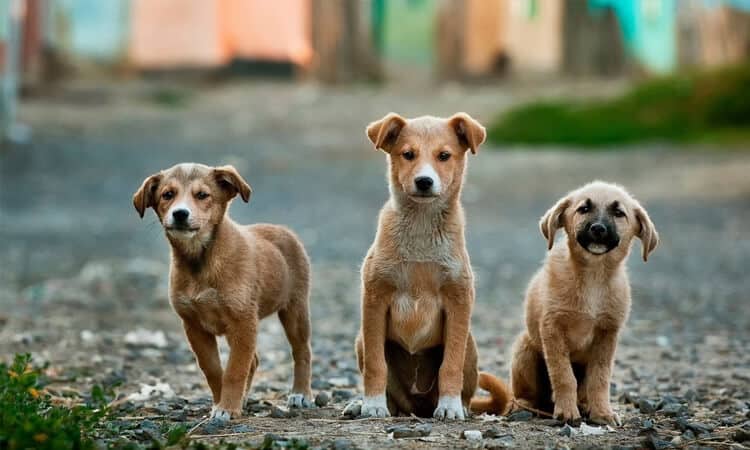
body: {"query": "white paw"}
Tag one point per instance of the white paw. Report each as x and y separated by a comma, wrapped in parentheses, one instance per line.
(375, 406)
(449, 408)
(297, 400)
(220, 415)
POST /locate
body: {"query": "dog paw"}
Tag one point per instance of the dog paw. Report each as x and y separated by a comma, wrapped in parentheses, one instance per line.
(567, 412)
(606, 417)
(449, 408)
(220, 415)
(375, 406)
(353, 409)
(297, 400)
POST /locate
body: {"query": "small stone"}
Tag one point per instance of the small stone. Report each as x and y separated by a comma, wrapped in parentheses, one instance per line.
(673, 410)
(278, 412)
(494, 433)
(343, 444)
(656, 443)
(472, 435)
(322, 399)
(646, 406)
(630, 397)
(566, 431)
(549, 422)
(242, 428)
(340, 381)
(741, 435)
(647, 424)
(177, 416)
(520, 416)
(321, 384)
(353, 409)
(340, 395)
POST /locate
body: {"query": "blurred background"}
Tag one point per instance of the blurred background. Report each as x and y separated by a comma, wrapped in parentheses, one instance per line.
(98, 95)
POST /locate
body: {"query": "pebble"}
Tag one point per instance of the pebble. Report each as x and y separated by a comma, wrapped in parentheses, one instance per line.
(322, 399)
(321, 384)
(242, 428)
(472, 435)
(340, 395)
(278, 412)
(566, 431)
(656, 443)
(647, 424)
(646, 406)
(406, 431)
(494, 433)
(520, 416)
(673, 410)
(343, 444)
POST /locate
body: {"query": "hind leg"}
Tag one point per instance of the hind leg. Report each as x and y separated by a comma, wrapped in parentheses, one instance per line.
(471, 372)
(295, 319)
(528, 377)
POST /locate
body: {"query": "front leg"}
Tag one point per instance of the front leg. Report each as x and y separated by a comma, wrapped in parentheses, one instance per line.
(206, 353)
(561, 376)
(375, 301)
(457, 303)
(241, 336)
(598, 375)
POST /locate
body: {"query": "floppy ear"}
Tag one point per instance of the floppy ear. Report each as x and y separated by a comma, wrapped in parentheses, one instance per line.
(145, 196)
(471, 134)
(551, 221)
(384, 132)
(231, 180)
(647, 233)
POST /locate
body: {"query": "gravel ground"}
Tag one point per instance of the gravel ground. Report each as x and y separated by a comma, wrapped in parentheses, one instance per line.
(83, 284)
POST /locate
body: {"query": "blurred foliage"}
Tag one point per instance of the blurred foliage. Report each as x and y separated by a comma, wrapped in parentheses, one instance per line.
(694, 107)
(30, 417)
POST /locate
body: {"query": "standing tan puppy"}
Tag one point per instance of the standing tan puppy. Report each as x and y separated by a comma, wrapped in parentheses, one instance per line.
(578, 302)
(415, 350)
(225, 277)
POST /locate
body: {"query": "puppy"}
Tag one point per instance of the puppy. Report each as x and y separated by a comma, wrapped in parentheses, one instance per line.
(415, 349)
(225, 277)
(578, 302)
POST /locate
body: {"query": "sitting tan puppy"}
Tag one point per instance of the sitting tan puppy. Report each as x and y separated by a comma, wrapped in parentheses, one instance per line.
(415, 349)
(225, 277)
(578, 302)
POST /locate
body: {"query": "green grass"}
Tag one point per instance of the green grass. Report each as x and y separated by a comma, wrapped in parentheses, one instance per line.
(709, 107)
(30, 417)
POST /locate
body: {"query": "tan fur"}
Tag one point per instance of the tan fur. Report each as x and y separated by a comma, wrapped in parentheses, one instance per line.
(225, 277)
(415, 344)
(575, 307)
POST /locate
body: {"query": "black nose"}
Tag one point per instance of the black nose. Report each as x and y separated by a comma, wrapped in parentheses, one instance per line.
(180, 215)
(598, 229)
(423, 183)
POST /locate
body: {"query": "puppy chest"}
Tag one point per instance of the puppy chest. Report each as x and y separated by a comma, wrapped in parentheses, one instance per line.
(416, 321)
(204, 308)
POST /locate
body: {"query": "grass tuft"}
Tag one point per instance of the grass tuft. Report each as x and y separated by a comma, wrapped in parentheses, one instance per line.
(694, 107)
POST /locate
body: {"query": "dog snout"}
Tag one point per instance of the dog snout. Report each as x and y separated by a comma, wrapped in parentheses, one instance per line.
(598, 230)
(180, 215)
(424, 184)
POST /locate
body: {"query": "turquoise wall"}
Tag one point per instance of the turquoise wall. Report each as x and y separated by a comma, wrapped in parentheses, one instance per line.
(649, 30)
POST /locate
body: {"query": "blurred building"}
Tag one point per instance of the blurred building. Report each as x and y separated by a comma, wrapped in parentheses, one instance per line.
(344, 40)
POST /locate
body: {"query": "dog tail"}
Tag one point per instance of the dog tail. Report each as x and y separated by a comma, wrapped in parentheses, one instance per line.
(500, 399)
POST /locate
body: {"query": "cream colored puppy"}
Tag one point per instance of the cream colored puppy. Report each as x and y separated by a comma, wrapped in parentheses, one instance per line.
(578, 302)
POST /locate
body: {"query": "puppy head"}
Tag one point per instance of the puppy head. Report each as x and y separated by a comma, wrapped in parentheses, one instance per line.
(601, 220)
(190, 199)
(427, 155)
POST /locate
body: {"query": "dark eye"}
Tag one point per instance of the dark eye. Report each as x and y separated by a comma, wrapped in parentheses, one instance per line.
(583, 209)
(201, 195)
(444, 156)
(167, 195)
(408, 155)
(618, 213)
